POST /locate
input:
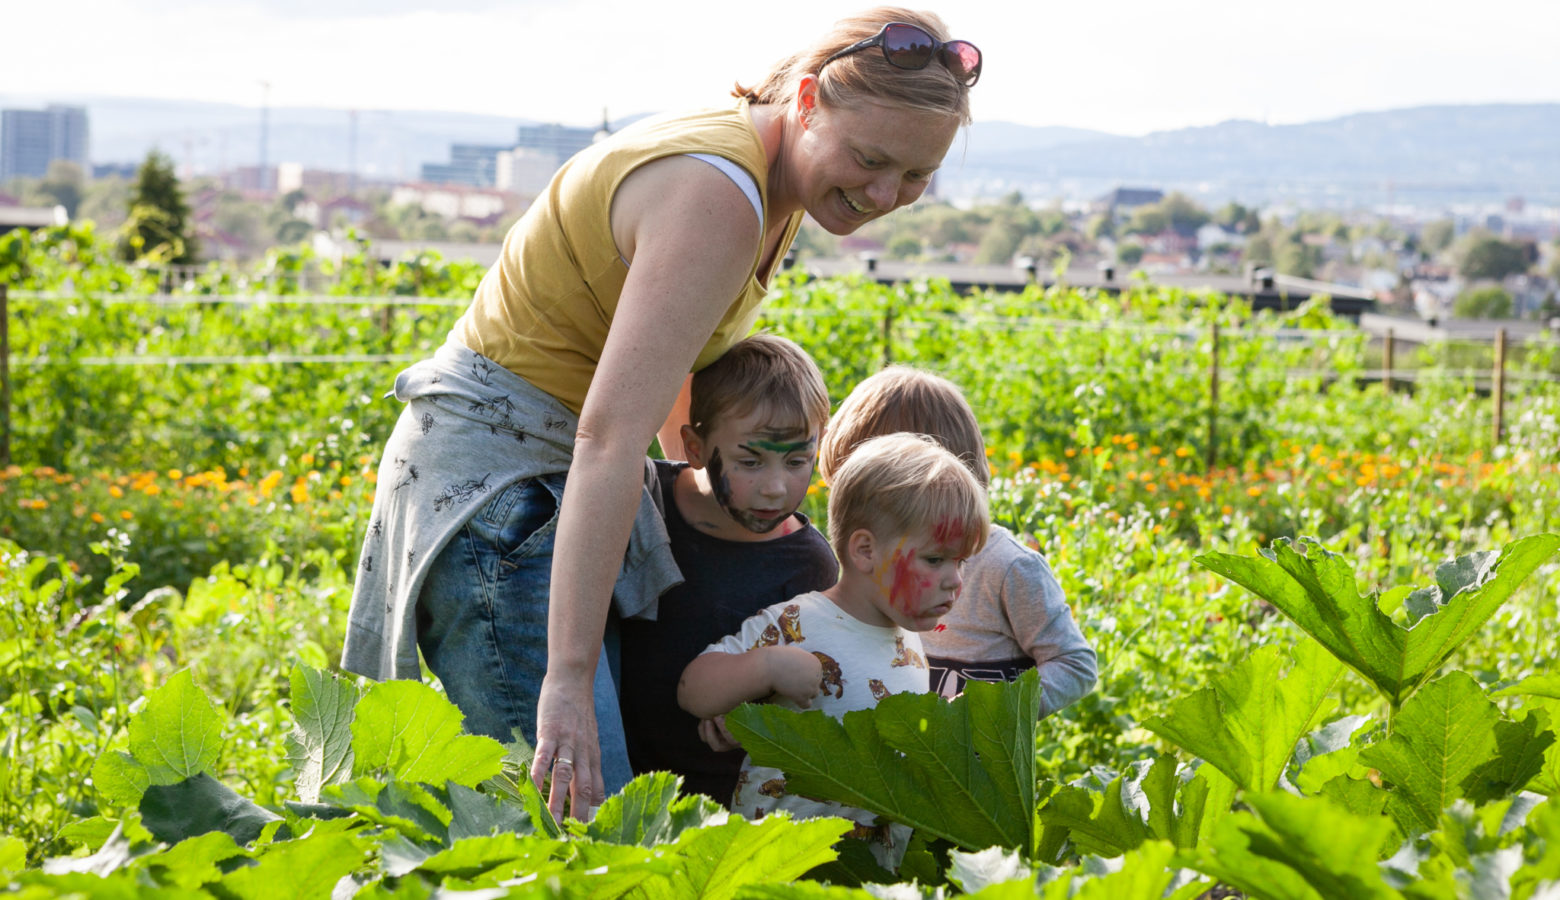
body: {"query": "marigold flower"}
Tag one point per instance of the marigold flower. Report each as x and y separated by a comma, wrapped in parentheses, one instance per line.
(115, 491)
(98, 518)
(126, 514)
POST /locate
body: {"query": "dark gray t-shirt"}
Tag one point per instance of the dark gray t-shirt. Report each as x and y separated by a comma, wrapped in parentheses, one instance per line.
(725, 583)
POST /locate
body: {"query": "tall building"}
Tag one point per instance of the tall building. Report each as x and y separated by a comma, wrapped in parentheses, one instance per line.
(30, 139)
(559, 140)
(470, 164)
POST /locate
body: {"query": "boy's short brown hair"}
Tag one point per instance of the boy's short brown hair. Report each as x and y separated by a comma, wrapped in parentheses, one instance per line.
(901, 398)
(899, 484)
(762, 371)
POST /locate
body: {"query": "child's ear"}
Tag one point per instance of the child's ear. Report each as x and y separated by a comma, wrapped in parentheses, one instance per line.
(693, 447)
(861, 550)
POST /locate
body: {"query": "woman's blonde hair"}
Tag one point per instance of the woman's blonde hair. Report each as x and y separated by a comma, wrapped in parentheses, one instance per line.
(902, 484)
(762, 371)
(901, 398)
(867, 77)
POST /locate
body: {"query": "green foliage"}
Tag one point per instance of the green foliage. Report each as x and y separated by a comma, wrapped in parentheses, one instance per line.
(1246, 723)
(1317, 590)
(1483, 303)
(960, 770)
(159, 227)
(1483, 255)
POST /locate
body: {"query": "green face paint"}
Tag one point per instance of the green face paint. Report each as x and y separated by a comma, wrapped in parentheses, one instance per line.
(779, 446)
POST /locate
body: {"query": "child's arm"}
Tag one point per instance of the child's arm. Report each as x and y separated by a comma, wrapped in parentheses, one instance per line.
(716, 682)
(1043, 624)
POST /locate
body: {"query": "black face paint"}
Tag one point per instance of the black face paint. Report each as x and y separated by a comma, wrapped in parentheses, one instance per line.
(721, 484)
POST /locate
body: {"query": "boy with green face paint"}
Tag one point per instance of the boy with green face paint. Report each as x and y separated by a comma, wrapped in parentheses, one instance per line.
(756, 418)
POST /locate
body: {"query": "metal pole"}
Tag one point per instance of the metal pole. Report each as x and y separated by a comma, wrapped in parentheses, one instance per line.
(5, 377)
(1498, 385)
(888, 337)
(1386, 360)
(1213, 398)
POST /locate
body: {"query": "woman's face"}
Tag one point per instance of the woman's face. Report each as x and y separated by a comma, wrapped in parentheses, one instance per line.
(855, 164)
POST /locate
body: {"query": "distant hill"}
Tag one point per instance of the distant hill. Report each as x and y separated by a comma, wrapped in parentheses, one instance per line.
(1433, 155)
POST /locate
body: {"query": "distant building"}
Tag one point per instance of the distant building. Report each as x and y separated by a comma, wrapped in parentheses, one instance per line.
(30, 139)
(525, 170)
(473, 165)
(559, 140)
(451, 201)
(1122, 200)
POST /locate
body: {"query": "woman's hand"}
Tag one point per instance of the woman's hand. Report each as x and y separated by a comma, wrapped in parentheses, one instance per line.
(567, 748)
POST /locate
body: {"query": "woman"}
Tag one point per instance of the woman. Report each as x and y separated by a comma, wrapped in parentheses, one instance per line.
(646, 259)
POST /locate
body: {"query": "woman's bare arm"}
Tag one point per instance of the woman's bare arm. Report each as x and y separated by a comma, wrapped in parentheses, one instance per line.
(691, 238)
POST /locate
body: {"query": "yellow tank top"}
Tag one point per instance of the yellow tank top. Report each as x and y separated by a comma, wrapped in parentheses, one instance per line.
(543, 310)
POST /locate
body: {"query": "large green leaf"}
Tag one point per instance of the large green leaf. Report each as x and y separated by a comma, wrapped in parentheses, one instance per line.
(474, 814)
(719, 860)
(1248, 720)
(407, 729)
(1448, 742)
(1301, 848)
(194, 861)
(199, 805)
(961, 770)
(1317, 590)
(403, 806)
(178, 733)
(648, 811)
(320, 746)
(120, 778)
(1149, 802)
(303, 869)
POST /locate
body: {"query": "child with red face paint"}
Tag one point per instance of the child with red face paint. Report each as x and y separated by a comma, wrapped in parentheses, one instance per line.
(757, 414)
(1013, 615)
(904, 514)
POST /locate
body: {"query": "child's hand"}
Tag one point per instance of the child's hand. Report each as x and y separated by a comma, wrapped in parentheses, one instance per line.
(715, 736)
(794, 674)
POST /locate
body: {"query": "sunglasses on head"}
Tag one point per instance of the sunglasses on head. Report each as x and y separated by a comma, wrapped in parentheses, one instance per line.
(907, 46)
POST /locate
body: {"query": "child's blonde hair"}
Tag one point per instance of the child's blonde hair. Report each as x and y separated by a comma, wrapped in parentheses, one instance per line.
(901, 484)
(901, 398)
(761, 372)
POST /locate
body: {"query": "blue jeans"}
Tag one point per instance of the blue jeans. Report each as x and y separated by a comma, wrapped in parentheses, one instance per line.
(482, 621)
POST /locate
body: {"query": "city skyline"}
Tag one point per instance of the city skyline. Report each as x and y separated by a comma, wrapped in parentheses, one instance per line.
(1127, 68)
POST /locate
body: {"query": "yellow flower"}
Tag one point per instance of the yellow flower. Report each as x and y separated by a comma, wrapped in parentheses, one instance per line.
(126, 514)
(1254, 491)
(300, 491)
(175, 474)
(115, 491)
(98, 518)
(269, 482)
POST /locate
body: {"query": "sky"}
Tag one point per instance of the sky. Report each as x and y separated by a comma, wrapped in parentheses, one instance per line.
(1122, 66)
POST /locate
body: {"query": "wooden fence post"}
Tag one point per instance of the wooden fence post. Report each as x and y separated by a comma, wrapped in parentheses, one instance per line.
(888, 336)
(5, 377)
(1498, 384)
(1213, 398)
(1386, 360)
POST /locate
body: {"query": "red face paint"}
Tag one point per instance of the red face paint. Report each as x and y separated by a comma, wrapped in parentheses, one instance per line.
(949, 533)
(907, 585)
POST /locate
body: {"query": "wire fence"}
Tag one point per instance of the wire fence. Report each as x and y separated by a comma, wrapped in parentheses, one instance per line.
(897, 331)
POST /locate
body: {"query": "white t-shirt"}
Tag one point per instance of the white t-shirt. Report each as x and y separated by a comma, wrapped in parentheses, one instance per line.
(861, 665)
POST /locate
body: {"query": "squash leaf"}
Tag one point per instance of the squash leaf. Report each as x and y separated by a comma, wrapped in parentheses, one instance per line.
(320, 746)
(962, 770)
(407, 729)
(1317, 590)
(1450, 742)
(1248, 720)
(178, 734)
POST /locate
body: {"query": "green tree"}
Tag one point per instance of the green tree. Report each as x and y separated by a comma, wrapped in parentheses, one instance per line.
(1483, 255)
(158, 227)
(1150, 219)
(1482, 303)
(1183, 214)
(1437, 236)
(1129, 253)
(65, 184)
